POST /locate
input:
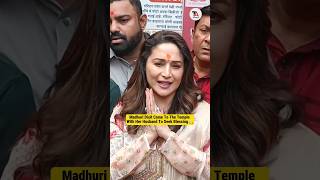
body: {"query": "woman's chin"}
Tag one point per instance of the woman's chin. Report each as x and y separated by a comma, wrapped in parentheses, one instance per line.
(162, 93)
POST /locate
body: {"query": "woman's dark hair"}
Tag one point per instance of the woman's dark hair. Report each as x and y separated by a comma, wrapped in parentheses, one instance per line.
(72, 121)
(249, 97)
(185, 100)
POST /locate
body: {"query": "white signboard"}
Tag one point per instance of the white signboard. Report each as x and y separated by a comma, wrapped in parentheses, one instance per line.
(197, 3)
(163, 15)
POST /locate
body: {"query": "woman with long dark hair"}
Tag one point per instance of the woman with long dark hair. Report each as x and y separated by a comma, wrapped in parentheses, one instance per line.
(162, 82)
(256, 117)
(70, 127)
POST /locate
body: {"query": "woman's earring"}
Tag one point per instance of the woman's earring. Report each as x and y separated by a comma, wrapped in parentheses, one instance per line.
(157, 110)
(199, 97)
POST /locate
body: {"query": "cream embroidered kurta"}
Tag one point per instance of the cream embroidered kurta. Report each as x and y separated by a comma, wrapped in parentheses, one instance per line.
(184, 155)
(22, 154)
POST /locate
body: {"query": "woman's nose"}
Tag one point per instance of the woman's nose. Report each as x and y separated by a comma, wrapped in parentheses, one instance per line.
(166, 71)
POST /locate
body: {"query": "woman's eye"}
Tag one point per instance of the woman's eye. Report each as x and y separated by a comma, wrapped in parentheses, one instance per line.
(176, 66)
(157, 64)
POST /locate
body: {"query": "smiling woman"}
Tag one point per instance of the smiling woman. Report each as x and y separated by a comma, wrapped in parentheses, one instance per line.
(162, 82)
(164, 70)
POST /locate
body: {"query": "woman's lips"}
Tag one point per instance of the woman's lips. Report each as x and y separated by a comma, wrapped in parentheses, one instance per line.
(164, 84)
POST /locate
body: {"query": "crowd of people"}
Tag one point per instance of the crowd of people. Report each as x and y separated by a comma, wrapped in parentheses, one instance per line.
(60, 107)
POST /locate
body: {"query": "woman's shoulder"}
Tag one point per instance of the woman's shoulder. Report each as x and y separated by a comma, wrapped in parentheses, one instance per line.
(116, 120)
(202, 108)
(299, 137)
(296, 156)
(22, 153)
(116, 110)
(202, 113)
(301, 132)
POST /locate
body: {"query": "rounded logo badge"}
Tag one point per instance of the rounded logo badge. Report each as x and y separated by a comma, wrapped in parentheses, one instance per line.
(195, 14)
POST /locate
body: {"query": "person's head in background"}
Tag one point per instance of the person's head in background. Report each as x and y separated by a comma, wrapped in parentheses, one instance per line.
(165, 65)
(71, 123)
(126, 27)
(201, 42)
(247, 95)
